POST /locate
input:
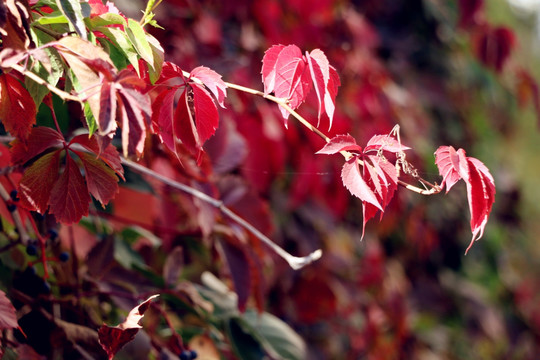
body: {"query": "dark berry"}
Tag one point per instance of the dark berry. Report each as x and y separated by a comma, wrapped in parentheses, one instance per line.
(64, 256)
(185, 355)
(14, 195)
(193, 354)
(11, 207)
(53, 234)
(46, 288)
(31, 270)
(31, 249)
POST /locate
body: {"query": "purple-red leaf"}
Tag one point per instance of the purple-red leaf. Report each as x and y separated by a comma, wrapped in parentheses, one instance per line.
(38, 181)
(292, 79)
(206, 114)
(69, 195)
(113, 339)
(109, 154)
(40, 139)
(450, 163)
(340, 143)
(269, 68)
(385, 143)
(354, 182)
(8, 316)
(325, 80)
(454, 165)
(17, 108)
(212, 80)
(101, 181)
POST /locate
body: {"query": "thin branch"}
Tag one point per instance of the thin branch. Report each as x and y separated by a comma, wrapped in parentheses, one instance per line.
(293, 261)
(64, 95)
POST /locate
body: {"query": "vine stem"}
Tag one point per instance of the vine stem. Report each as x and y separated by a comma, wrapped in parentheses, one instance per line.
(64, 95)
(433, 188)
(294, 262)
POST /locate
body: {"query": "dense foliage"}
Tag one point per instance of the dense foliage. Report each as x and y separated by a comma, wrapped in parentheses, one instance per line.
(148, 182)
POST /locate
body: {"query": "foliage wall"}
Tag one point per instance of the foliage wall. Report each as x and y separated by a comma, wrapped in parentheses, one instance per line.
(446, 72)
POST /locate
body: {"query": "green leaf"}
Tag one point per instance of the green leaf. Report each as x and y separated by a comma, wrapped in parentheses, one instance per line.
(38, 91)
(90, 119)
(73, 11)
(52, 19)
(122, 43)
(158, 54)
(118, 58)
(139, 40)
(105, 20)
(277, 338)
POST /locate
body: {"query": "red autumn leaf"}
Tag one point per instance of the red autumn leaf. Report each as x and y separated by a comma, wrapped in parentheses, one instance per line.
(8, 316)
(122, 99)
(101, 181)
(17, 108)
(292, 77)
(212, 80)
(38, 181)
(195, 118)
(112, 339)
(69, 195)
(451, 164)
(354, 181)
(381, 177)
(184, 129)
(269, 67)
(454, 165)
(376, 182)
(289, 75)
(385, 143)
(109, 155)
(42, 186)
(40, 139)
(340, 143)
(494, 45)
(470, 12)
(326, 81)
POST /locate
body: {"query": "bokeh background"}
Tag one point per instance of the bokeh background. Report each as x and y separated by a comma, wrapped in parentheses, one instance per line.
(455, 73)
(458, 73)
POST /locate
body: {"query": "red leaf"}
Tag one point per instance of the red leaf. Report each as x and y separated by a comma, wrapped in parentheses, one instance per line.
(481, 196)
(454, 165)
(326, 81)
(40, 139)
(470, 12)
(101, 181)
(136, 114)
(38, 181)
(206, 114)
(269, 68)
(494, 45)
(69, 196)
(448, 161)
(354, 182)
(381, 176)
(385, 143)
(162, 117)
(184, 130)
(113, 339)
(8, 316)
(170, 71)
(107, 109)
(340, 143)
(17, 109)
(212, 80)
(109, 155)
(292, 79)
